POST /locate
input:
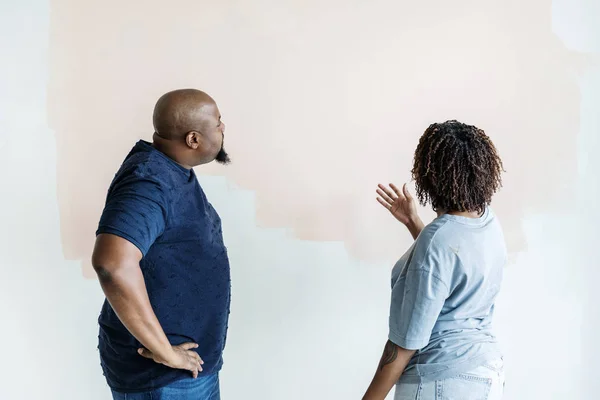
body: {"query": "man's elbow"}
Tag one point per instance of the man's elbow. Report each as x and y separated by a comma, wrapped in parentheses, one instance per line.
(105, 268)
(114, 258)
(112, 270)
(104, 274)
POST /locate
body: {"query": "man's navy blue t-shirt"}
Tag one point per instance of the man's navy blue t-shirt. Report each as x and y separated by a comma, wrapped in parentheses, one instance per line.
(159, 206)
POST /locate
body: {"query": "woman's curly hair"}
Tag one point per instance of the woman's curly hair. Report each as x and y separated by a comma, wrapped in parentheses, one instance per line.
(456, 168)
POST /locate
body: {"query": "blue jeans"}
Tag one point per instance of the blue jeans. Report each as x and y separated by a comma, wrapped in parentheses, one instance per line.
(482, 383)
(201, 388)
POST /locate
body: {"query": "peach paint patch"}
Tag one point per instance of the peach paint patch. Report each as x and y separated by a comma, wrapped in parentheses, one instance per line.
(322, 101)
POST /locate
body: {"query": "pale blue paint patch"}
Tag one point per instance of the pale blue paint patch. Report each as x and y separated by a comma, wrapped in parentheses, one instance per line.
(576, 24)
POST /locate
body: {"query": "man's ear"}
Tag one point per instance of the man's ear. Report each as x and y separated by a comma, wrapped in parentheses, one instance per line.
(192, 139)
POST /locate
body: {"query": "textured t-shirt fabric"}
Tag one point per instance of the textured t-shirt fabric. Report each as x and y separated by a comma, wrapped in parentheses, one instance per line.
(159, 206)
(443, 294)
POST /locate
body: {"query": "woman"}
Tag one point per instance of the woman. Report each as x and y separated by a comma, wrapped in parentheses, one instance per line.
(441, 344)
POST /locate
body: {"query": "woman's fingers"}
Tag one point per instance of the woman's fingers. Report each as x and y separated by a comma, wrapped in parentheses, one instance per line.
(388, 192)
(397, 191)
(406, 192)
(384, 203)
(385, 196)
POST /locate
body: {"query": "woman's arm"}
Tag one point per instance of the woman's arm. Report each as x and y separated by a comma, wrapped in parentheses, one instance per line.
(415, 227)
(393, 362)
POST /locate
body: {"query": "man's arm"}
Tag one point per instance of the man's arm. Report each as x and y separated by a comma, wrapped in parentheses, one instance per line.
(393, 362)
(117, 264)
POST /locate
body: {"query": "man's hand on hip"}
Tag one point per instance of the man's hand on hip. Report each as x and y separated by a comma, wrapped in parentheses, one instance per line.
(182, 357)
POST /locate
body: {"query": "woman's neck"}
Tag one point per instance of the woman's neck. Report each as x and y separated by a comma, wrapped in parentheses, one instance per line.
(467, 214)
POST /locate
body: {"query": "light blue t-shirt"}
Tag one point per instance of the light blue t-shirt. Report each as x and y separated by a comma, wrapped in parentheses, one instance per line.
(443, 294)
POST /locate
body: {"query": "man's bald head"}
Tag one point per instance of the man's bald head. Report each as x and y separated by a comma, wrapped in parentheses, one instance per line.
(181, 111)
(187, 124)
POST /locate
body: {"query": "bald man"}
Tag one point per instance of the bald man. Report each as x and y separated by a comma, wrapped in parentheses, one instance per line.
(161, 260)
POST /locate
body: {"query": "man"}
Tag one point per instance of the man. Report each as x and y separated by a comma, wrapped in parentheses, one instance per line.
(161, 261)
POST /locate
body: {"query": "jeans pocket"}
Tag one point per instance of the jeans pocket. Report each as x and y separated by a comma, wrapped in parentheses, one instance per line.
(464, 387)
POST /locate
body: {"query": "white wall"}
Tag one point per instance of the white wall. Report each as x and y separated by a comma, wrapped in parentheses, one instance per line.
(308, 321)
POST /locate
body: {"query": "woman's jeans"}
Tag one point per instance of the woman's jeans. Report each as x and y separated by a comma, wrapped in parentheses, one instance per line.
(482, 383)
(201, 388)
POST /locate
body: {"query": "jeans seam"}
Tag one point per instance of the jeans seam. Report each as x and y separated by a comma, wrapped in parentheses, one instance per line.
(473, 378)
(489, 388)
(497, 370)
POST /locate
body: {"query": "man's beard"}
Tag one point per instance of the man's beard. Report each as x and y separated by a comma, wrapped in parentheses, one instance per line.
(222, 157)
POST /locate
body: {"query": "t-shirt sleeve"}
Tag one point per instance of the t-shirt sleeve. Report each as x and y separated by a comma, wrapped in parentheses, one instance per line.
(416, 305)
(136, 211)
